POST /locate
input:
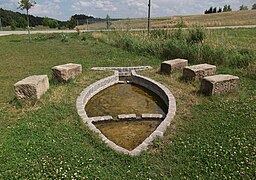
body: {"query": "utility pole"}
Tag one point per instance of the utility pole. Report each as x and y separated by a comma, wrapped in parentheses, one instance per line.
(1, 27)
(87, 24)
(149, 8)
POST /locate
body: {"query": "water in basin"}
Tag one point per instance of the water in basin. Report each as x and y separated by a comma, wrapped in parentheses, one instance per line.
(127, 134)
(125, 99)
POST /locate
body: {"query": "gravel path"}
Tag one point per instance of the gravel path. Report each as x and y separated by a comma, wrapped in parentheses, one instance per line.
(5, 33)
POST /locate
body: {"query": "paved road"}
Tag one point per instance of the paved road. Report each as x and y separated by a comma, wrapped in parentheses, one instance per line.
(5, 33)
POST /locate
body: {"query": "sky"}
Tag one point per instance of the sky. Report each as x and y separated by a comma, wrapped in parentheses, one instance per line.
(64, 9)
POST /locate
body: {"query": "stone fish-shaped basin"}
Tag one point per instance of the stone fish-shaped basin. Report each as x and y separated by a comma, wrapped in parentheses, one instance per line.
(107, 128)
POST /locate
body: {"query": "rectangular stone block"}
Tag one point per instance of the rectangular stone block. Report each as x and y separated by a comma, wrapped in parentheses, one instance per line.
(126, 116)
(152, 116)
(32, 87)
(63, 73)
(101, 118)
(170, 66)
(219, 84)
(198, 72)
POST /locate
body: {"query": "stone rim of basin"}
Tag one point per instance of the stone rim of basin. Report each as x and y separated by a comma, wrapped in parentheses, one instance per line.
(150, 84)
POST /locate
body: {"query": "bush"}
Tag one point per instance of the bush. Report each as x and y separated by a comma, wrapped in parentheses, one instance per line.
(196, 35)
(251, 70)
(178, 35)
(44, 37)
(180, 24)
(13, 25)
(212, 55)
(179, 44)
(64, 38)
(160, 34)
(241, 58)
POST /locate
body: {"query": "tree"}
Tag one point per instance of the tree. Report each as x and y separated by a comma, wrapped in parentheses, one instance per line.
(220, 10)
(53, 24)
(26, 5)
(254, 6)
(13, 25)
(243, 7)
(211, 10)
(71, 24)
(22, 23)
(227, 8)
(214, 10)
(46, 21)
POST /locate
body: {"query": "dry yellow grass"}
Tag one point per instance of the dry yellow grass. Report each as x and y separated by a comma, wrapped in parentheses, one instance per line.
(234, 18)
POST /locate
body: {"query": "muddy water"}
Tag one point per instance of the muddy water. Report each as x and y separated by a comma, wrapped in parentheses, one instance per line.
(125, 99)
(127, 134)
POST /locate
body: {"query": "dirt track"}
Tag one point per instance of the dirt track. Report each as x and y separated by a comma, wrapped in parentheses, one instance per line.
(5, 33)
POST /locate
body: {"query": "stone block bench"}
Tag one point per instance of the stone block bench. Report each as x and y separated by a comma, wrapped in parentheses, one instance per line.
(198, 71)
(170, 66)
(32, 87)
(219, 84)
(63, 73)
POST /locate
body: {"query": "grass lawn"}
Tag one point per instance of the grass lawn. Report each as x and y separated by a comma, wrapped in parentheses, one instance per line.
(210, 137)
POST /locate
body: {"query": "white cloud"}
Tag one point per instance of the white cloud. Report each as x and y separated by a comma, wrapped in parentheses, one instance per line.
(104, 5)
(9, 4)
(63, 9)
(47, 8)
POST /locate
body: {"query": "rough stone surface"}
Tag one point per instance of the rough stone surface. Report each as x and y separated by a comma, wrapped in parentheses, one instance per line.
(32, 87)
(198, 71)
(101, 118)
(219, 84)
(126, 116)
(170, 66)
(65, 72)
(122, 71)
(152, 116)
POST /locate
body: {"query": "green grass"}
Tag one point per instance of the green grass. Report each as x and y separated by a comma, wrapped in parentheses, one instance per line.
(234, 38)
(210, 137)
(232, 48)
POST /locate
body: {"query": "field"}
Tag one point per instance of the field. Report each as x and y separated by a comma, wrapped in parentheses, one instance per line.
(235, 18)
(210, 137)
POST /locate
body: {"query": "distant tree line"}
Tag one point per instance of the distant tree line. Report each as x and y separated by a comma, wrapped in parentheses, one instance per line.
(243, 7)
(18, 20)
(254, 6)
(81, 19)
(227, 8)
(10, 18)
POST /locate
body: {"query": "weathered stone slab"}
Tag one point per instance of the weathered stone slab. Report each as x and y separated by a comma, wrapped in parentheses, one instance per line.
(152, 116)
(126, 116)
(32, 87)
(101, 118)
(219, 84)
(65, 72)
(170, 66)
(198, 71)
